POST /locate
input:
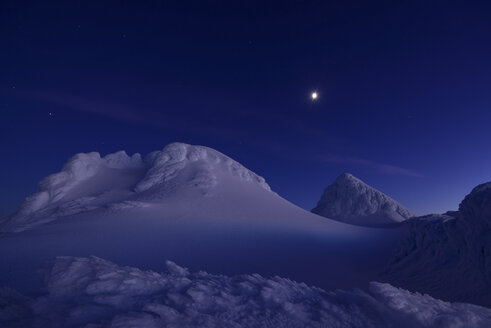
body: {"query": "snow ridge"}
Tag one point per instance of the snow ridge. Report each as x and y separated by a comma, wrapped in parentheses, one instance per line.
(92, 292)
(351, 200)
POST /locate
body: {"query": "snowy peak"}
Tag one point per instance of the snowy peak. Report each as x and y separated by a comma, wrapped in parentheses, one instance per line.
(348, 179)
(351, 200)
(88, 181)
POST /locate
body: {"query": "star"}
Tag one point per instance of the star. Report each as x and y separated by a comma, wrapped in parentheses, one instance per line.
(314, 95)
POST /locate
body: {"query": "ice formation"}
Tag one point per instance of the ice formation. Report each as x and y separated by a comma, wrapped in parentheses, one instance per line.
(351, 200)
(92, 292)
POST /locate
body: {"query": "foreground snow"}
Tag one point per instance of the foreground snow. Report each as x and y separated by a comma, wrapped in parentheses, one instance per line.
(352, 201)
(92, 292)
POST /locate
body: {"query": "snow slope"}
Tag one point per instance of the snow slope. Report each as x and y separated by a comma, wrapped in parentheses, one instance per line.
(448, 256)
(92, 292)
(352, 201)
(189, 204)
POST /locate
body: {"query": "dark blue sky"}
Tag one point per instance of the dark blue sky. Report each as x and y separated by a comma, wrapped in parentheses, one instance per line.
(404, 90)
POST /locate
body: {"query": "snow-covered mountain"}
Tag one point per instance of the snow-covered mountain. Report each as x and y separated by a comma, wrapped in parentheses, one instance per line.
(88, 182)
(198, 207)
(185, 203)
(449, 255)
(350, 200)
(92, 292)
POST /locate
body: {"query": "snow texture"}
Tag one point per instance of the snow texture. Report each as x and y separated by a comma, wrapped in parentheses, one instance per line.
(350, 200)
(72, 190)
(92, 292)
(448, 256)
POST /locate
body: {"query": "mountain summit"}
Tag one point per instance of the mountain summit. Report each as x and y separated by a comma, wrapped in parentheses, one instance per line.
(350, 200)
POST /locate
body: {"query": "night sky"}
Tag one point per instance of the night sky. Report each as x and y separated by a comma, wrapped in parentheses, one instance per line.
(404, 90)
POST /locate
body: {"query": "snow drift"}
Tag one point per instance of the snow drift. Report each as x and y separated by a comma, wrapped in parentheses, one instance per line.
(448, 256)
(352, 201)
(92, 292)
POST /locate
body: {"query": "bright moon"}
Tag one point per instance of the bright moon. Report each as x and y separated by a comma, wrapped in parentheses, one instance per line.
(314, 95)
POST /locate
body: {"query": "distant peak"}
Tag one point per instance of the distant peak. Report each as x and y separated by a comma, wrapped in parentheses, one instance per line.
(347, 177)
(349, 180)
(351, 200)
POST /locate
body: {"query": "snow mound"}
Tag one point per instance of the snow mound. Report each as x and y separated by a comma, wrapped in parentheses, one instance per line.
(448, 256)
(92, 292)
(350, 200)
(88, 182)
